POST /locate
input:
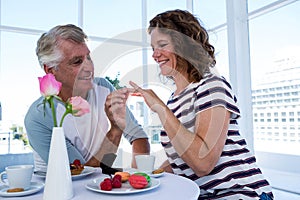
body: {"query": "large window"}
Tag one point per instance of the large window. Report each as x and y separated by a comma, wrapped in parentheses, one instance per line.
(275, 66)
(40, 15)
(109, 19)
(216, 26)
(120, 47)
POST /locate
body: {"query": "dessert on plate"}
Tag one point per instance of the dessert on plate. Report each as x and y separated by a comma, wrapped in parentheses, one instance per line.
(76, 167)
(124, 176)
(158, 171)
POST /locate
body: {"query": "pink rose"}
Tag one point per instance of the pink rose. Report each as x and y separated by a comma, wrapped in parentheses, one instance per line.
(79, 106)
(49, 86)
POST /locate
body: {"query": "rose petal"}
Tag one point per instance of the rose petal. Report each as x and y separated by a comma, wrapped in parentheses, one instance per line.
(49, 85)
(79, 106)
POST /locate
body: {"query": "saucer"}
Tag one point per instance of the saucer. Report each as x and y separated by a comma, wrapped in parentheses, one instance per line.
(87, 171)
(156, 175)
(34, 187)
(133, 170)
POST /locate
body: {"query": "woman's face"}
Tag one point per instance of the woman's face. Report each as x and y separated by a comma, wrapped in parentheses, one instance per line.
(163, 52)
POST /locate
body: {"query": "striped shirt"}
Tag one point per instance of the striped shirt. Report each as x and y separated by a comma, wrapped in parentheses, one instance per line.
(236, 174)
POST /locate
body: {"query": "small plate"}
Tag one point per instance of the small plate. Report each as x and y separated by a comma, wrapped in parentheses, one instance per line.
(156, 175)
(34, 187)
(94, 185)
(133, 170)
(86, 171)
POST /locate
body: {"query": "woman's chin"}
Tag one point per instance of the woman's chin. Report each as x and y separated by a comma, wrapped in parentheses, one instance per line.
(166, 73)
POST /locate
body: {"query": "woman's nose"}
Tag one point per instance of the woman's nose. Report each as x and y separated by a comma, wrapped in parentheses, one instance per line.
(156, 54)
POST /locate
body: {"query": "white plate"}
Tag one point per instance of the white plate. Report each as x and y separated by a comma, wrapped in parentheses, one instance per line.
(132, 171)
(34, 187)
(94, 185)
(86, 171)
(156, 175)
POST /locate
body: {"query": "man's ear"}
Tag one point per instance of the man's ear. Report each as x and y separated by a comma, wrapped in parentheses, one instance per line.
(48, 70)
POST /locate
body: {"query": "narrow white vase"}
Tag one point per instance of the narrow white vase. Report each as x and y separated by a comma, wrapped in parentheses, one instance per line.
(58, 183)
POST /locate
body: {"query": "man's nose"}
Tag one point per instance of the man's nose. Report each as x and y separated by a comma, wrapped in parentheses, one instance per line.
(88, 65)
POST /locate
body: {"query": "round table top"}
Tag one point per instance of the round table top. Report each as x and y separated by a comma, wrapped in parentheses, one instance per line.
(167, 186)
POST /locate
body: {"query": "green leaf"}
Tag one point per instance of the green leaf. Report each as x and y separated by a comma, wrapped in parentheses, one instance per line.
(115, 82)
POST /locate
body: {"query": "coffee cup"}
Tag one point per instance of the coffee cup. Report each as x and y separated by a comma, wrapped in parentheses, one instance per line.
(17, 176)
(145, 163)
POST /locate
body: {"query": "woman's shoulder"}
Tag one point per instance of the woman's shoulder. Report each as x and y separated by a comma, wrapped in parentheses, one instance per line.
(214, 86)
(213, 81)
(214, 78)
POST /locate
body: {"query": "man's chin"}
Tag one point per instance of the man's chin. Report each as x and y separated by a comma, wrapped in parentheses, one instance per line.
(83, 85)
(85, 82)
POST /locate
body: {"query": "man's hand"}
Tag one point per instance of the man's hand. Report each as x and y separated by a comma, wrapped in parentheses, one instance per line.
(115, 108)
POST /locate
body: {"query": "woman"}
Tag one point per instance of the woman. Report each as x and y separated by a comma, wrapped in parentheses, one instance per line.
(201, 136)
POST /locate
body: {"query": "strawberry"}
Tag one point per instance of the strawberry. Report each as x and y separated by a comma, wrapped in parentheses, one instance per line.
(117, 181)
(106, 185)
(118, 177)
(107, 179)
(77, 162)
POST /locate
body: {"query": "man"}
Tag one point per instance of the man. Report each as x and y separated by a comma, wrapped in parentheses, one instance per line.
(63, 52)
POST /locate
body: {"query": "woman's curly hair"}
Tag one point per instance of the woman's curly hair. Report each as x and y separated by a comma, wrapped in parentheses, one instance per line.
(195, 55)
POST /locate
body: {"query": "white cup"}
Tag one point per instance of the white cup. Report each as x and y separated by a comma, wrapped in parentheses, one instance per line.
(145, 163)
(17, 176)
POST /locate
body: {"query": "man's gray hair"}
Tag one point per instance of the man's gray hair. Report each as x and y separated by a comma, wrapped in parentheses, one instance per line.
(47, 49)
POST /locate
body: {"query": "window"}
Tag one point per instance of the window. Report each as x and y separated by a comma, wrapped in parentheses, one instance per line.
(218, 36)
(30, 15)
(274, 49)
(276, 66)
(19, 71)
(283, 114)
(99, 17)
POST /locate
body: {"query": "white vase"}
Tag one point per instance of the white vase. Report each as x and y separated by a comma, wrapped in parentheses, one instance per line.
(58, 183)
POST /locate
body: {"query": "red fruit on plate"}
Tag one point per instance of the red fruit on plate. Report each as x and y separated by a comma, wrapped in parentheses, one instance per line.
(116, 183)
(118, 177)
(138, 181)
(77, 162)
(106, 185)
(107, 179)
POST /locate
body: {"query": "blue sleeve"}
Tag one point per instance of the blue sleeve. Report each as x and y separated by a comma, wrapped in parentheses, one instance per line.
(39, 126)
(133, 130)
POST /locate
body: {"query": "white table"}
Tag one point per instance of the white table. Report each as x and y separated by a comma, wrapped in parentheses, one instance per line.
(171, 187)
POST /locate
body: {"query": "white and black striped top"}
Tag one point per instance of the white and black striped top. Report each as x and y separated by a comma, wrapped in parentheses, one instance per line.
(236, 175)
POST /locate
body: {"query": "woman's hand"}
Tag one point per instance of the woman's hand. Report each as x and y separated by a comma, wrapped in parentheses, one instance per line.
(151, 99)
